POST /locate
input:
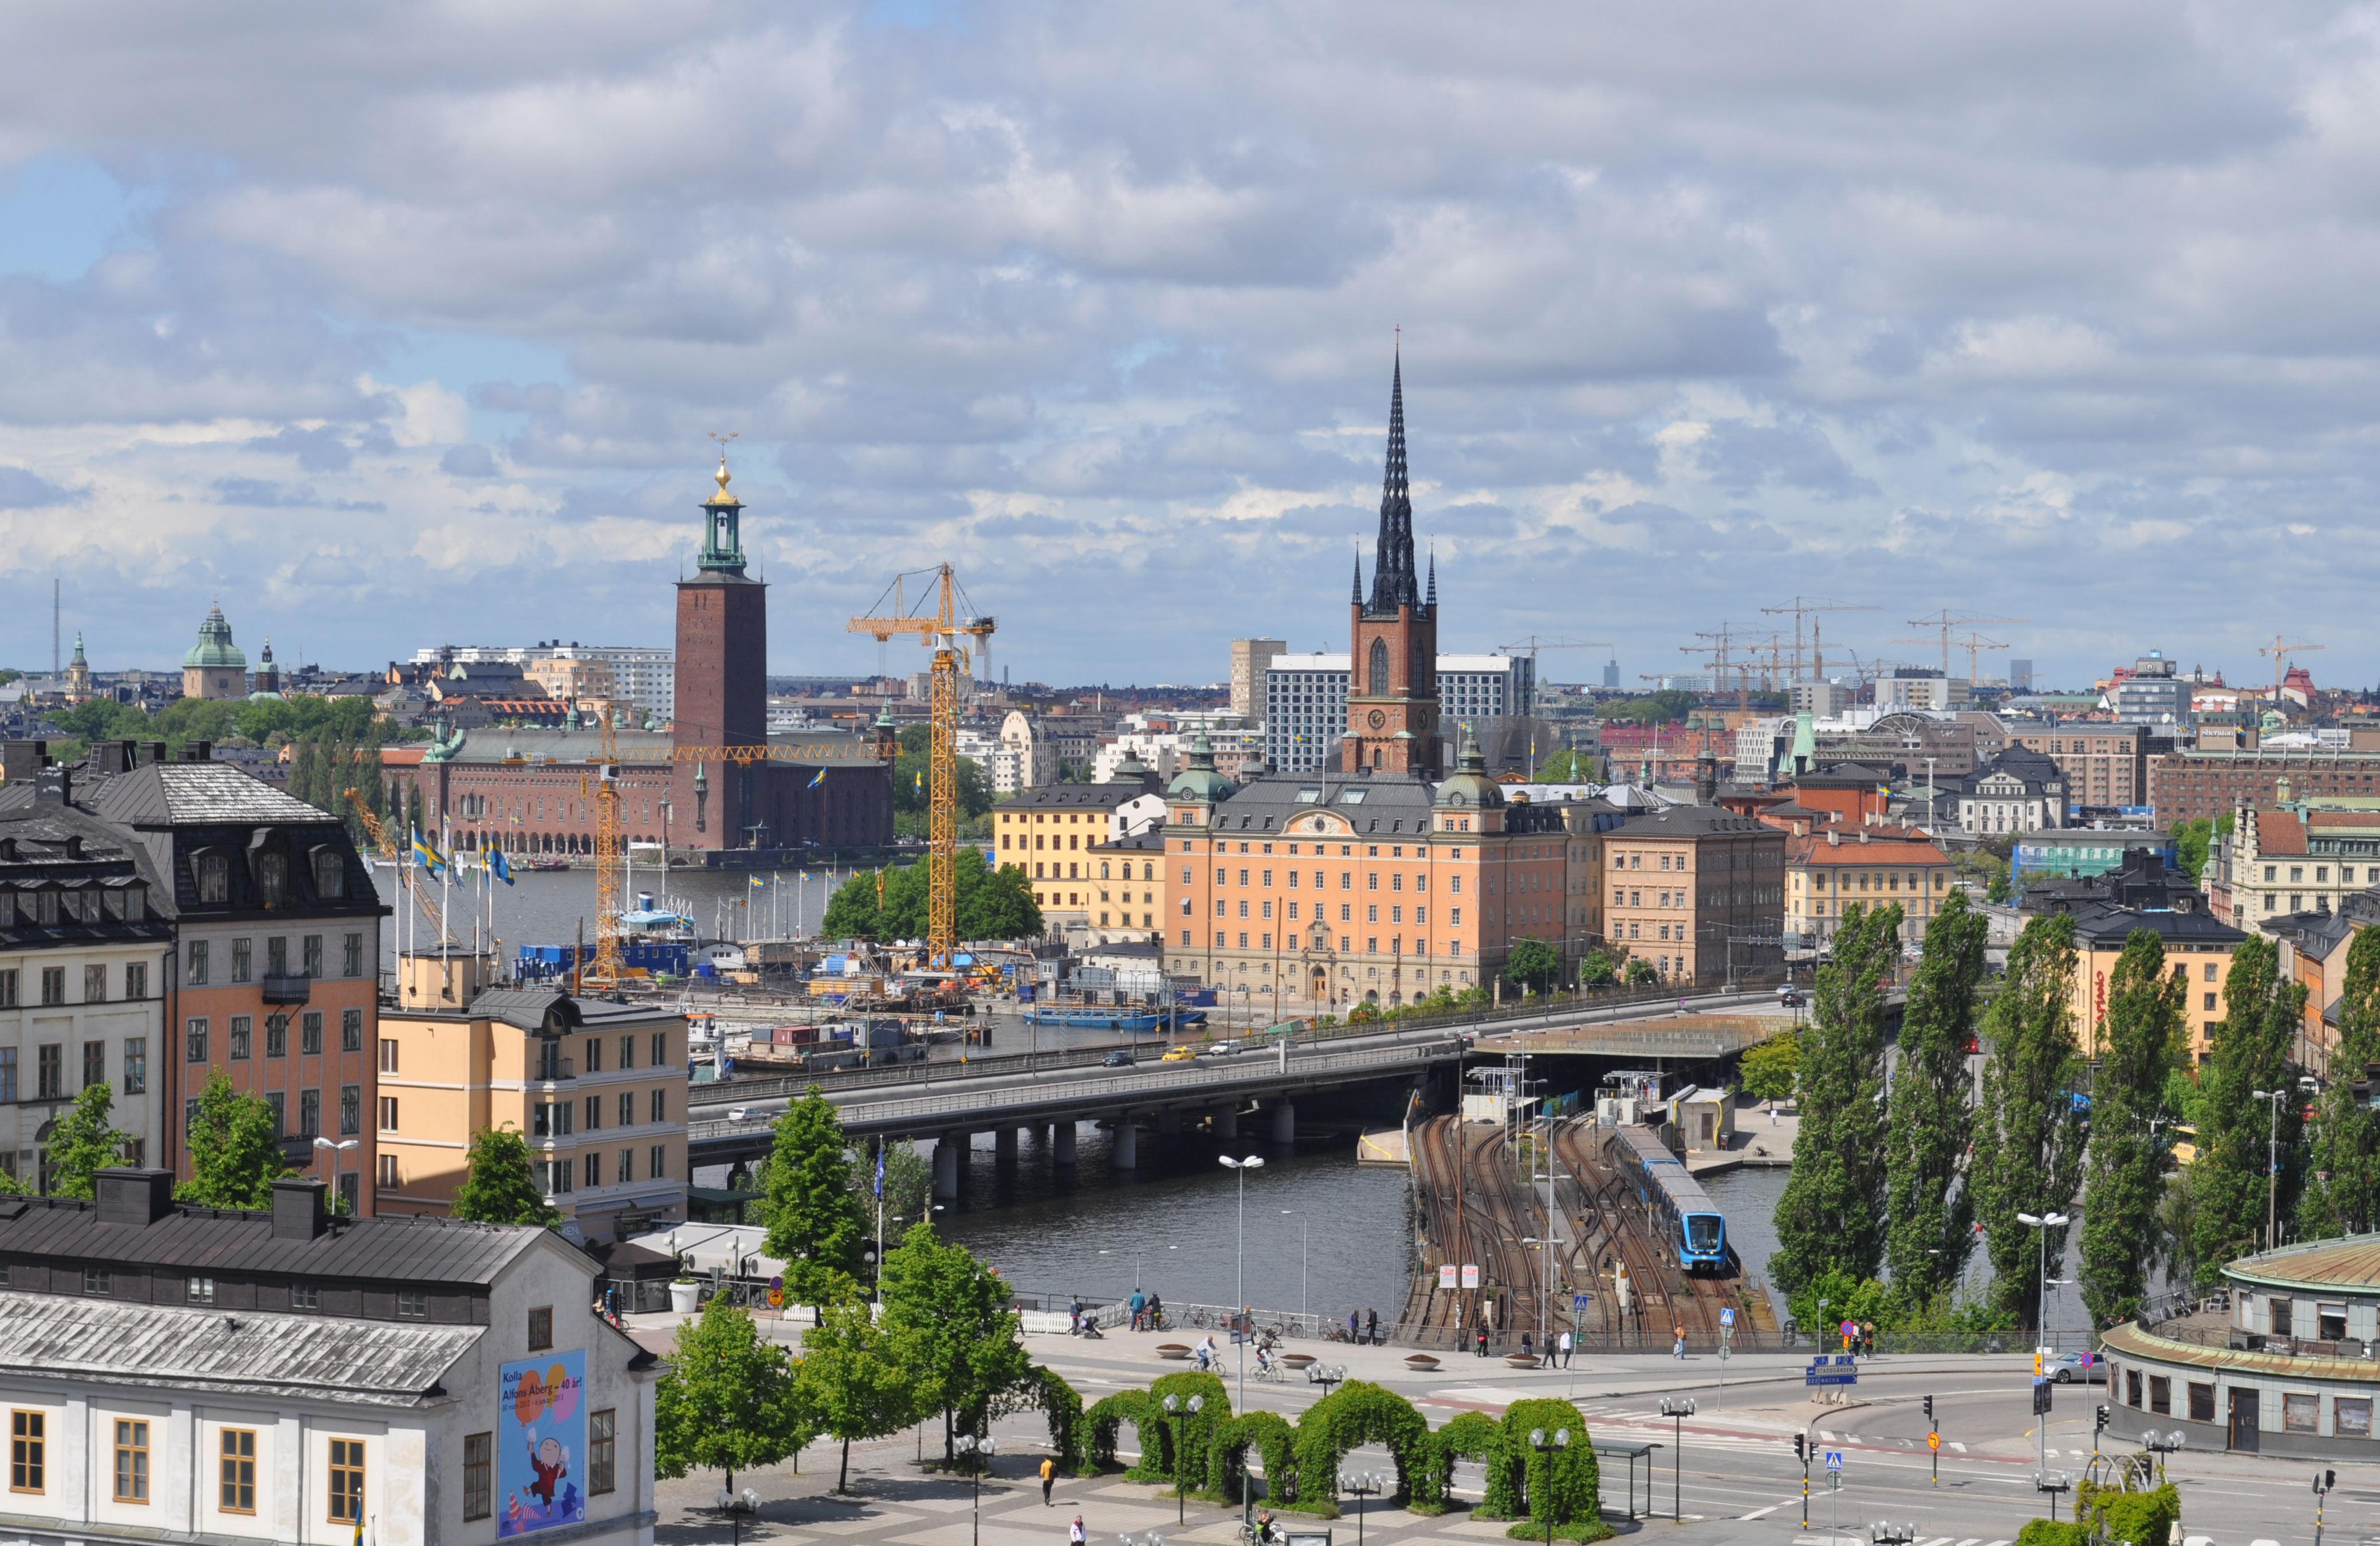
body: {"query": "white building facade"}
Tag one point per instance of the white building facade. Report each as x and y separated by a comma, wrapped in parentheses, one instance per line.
(1305, 701)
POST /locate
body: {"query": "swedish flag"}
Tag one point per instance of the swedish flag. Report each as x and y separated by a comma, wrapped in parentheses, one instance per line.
(500, 867)
(921, 782)
(816, 778)
(426, 854)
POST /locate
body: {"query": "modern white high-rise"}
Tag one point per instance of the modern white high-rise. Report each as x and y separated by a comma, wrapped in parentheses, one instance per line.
(646, 677)
(1305, 701)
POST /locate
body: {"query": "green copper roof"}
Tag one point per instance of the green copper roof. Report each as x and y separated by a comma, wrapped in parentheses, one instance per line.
(214, 647)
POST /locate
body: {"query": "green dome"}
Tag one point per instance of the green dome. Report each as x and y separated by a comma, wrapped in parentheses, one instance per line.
(1470, 787)
(214, 647)
(1199, 781)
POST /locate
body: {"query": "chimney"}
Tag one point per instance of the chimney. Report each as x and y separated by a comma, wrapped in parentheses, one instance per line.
(22, 759)
(1862, 834)
(115, 757)
(1834, 840)
(133, 1196)
(152, 751)
(54, 785)
(297, 1211)
(198, 751)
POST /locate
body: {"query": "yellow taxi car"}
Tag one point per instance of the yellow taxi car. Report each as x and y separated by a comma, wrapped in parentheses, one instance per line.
(1182, 1053)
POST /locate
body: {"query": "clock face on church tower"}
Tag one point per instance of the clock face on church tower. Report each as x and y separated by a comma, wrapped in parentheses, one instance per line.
(1375, 719)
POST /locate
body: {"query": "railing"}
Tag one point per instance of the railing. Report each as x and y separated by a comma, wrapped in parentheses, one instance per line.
(280, 988)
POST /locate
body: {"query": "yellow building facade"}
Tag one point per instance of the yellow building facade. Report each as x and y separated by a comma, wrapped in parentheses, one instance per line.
(597, 1089)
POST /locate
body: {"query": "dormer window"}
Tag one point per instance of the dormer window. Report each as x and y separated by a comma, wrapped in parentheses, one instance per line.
(330, 875)
(273, 879)
(214, 877)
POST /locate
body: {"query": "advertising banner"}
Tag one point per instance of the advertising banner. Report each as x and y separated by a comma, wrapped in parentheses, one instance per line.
(541, 1444)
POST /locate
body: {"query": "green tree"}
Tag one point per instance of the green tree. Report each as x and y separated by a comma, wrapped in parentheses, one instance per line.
(908, 1183)
(1595, 970)
(1641, 973)
(2342, 1186)
(1832, 1213)
(913, 783)
(850, 1380)
(500, 1183)
(2029, 1136)
(1932, 1117)
(1569, 767)
(235, 1153)
(2249, 1050)
(951, 1330)
(728, 1400)
(1768, 1069)
(2193, 838)
(1532, 964)
(816, 1225)
(2141, 1041)
(84, 1141)
(1666, 707)
(993, 903)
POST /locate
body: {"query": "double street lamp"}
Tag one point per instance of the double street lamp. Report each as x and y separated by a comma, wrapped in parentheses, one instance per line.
(971, 1446)
(1181, 1465)
(1246, 1325)
(1363, 1484)
(1677, 1409)
(2045, 1223)
(1549, 1447)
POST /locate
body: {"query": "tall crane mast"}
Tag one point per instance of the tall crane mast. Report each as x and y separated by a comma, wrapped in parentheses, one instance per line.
(610, 968)
(2281, 650)
(1948, 620)
(946, 629)
(1973, 643)
(1801, 607)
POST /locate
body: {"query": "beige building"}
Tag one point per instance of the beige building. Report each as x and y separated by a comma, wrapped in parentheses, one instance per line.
(589, 683)
(1696, 889)
(1251, 658)
(2104, 764)
(1835, 867)
(214, 666)
(596, 1089)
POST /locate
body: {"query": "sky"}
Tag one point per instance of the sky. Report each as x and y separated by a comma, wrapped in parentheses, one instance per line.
(394, 326)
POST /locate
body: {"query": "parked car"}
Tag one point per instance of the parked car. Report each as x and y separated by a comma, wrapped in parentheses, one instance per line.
(2067, 1368)
(1116, 1060)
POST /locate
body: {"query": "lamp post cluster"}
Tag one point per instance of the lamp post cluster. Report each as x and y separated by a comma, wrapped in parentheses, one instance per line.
(987, 1447)
(1677, 1409)
(1173, 1408)
(1242, 1328)
(1549, 1447)
(1361, 1485)
(737, 1507)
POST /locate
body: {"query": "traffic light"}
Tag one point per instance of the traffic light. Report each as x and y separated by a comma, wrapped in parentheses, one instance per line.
(2037, 1363)
(1801, 1448)
(2325, 1481)
(1929, 1411)
(2100, 1424)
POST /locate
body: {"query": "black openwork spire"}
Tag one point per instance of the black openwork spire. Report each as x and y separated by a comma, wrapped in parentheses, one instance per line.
(1392, 565)
(1356, 596)
(1432, 602)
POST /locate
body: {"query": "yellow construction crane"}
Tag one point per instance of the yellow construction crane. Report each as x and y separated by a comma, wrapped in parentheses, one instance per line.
(1945, 623)
(610, 969)
(1973, 643)
(1533, 644)
(1802, 606)
(944, 622)
(379, 835)
(2281, 650)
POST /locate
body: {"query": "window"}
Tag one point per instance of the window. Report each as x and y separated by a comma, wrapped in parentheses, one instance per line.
(2301, 1414)
(97, 1280)
(194, 1041)
(330, 876)
(351, 1031)
(2160, 1396)
(276, 957)
(2202, 1402)
(387, 1166)
(51, 1078)
(9, 989)
(95, 984)
(540, 1329)
(273, 879)
(196, 973)
(136, 1066)
(314, 955)
(627, 1111)
(309, 1032)
(95, 1064)
(238, 1475)
(601, 1468)
(29, 1451)
(242, 1033)
(626, 1171)
(243, 960)
(594, 1113)
(305, 1296)
(627, 1051)
(558, 1174)
(549, 1119)
(132, 1461)
(412, 1304)
(351, 957)
(2351, 1417)
(594, 1168)
(53, 985)
(659, 1167)
(309, 1113)
(661, 1105)
(2330, 1322)
(388, 1113)
(136, 979)
(351, 1109)
(346, 1480)
(276, 1035)
(214, 881)
(387, 1055)
(479, 1475)
(594, 1054)
(2132, 1387)
(198, 1291)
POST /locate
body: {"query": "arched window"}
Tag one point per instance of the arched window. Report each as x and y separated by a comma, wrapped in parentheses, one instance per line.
(273, 879)
(214, 877)
(330, 876)
(1379, 668)
(1376, 757)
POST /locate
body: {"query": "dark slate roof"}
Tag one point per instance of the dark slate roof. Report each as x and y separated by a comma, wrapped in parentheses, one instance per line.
(1077, 796)
(1392, 805)
(1693, 820)
(525, 1007)
(386, 1250)
(2107, 925)
(58, 1337)
(1151, 841)
(196, 793)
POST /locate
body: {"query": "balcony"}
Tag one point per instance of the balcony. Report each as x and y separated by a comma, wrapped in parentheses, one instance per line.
(553, 1070)
(288, 990)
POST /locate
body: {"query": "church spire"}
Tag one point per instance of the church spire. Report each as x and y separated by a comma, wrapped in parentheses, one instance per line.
(1392, 565)
(1357, 597)
(1432, 602)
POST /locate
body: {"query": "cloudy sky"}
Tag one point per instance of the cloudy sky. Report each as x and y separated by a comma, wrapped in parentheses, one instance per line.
(396, 325)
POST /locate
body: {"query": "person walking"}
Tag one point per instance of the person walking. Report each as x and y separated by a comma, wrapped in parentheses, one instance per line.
(1372, 1327)
(1076, 1535)
(1679, 1351)
(1479, 1334)
(1049, 1477)
(1565, 1350)
(1139, 1303)
(1354, 1322)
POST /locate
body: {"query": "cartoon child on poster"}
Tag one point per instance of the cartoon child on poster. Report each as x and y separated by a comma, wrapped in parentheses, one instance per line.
(544, 1435)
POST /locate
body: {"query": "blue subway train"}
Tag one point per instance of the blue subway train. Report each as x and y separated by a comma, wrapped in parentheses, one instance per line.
(1697, 1230)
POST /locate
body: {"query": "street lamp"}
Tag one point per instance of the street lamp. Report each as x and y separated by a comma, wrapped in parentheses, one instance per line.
(336, 1149)
(2045, 1223)
(987, 1447)
(1181, 1466)
(1363, 1484)
(1239, 1297)
(1550, 1448)
(1884, 1532)
(2170, 1443)
(1677, 1409)
(738, 1507)
(1301, 1260)
(1328, 1376)
(2053, 1484)
(2272, 1098)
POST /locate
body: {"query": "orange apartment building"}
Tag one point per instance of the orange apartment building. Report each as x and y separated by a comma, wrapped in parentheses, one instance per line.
(274, 974)
(1696, 889)
(596, 1089)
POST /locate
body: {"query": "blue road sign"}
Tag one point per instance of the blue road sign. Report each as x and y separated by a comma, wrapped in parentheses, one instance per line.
(1727, 1316)
(1841, 1371)
(1578, 1302)
(1834, 1460)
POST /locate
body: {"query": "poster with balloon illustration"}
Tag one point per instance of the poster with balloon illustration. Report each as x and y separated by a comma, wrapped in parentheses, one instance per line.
(541, 1443)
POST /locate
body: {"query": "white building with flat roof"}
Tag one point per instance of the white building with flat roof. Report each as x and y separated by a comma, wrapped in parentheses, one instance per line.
(1305, 701)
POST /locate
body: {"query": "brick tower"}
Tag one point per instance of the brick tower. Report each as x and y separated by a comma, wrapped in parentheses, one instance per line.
(722, 681)
(1393, 658)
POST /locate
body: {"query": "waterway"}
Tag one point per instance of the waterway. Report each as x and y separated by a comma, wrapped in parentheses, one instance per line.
(547, 906)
